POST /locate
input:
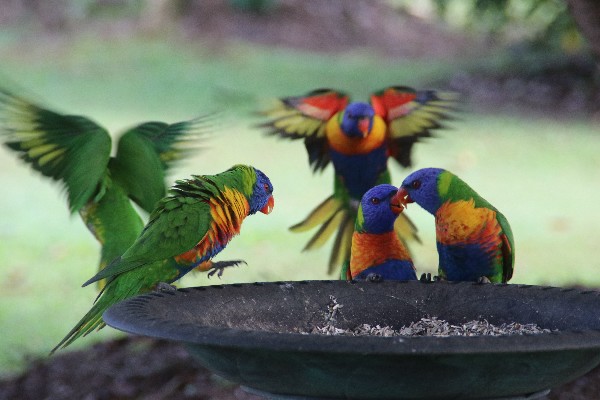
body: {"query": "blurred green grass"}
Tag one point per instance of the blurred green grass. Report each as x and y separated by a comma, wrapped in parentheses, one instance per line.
(543, 173)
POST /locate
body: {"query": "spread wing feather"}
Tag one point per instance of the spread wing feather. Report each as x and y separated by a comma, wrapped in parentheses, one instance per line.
(305, 117)
(70, 149)
(410, 115)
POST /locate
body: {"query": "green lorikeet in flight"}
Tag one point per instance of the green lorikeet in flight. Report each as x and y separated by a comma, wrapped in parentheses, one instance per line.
(188, 227)
(358, 138)
(474, 239)
(76, 151)
(377, 251)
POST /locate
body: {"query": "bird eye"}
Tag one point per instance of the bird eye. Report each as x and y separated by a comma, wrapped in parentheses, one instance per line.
(416, 184)
(375, 200)
(266, 186)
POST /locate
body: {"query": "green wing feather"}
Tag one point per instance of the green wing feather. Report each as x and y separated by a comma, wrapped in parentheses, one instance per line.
(175, 227)
(68, 148)
(179, 221)
(508, 247)
(147, 151)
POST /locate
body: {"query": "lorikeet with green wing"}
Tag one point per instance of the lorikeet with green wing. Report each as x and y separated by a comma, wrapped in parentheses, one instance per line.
(76, 151)
(188, 227)
(358, 138)
(474, 239)
(377, 251)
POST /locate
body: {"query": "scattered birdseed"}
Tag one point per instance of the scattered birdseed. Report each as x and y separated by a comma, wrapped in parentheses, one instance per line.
(424, 327)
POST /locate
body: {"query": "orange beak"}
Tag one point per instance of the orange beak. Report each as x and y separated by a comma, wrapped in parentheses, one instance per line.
(364, 125)
(401, 199)
(269, 206)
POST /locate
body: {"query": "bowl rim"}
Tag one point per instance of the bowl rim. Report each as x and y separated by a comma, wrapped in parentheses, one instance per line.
(131, 317)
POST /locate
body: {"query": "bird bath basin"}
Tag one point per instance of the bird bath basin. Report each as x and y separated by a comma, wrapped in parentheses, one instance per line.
(249, 334)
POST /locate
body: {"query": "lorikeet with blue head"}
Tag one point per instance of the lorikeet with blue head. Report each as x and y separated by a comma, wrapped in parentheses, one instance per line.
(75, 151)
(358, 139)
(377, 251)
(188, 227)
(474, 239)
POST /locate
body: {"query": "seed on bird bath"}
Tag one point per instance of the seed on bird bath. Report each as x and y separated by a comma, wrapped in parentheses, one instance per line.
(432, 326)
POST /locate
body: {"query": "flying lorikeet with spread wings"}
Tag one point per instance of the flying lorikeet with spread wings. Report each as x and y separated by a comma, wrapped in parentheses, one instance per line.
(76, 151)
(377, 251)
(188, 227)
(358, 138)
(474, 239)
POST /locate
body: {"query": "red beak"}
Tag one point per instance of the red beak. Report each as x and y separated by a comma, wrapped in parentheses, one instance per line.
(363, 125)
(402, 198)
(269, 206)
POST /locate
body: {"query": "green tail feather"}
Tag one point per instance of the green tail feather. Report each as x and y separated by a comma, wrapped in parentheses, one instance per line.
(340, 253)
(322, 213)
(112, 293)
(406, 229)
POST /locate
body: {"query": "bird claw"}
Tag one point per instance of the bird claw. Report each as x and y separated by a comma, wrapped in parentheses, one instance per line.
(483, 279)
(426, 278)
(164, 287)
(219, 266)
(438, 278)
(373, 277)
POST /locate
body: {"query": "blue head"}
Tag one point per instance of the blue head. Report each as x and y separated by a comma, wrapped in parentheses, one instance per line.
(378, 211)
(357, 120)
(422, 187)
(262, 194)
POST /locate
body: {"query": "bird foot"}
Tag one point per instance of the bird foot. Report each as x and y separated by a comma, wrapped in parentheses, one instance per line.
(373, 277)
(219, 266)
(483, 279)
(438, 278)
(164, 287)
(426, 278)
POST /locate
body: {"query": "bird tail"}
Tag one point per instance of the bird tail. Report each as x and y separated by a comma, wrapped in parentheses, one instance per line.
(333, 214)
(406, 229)
(111, 293)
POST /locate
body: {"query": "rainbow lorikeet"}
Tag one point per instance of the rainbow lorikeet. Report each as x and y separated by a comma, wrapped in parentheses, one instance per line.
(358, 138)
(377, 251)
(76, 151)
(188, 227)
(474, 239)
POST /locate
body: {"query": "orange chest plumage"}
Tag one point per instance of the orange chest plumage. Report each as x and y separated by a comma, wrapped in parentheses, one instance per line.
(341, 143)
(370, 249)
(227, 213)
(461, 222)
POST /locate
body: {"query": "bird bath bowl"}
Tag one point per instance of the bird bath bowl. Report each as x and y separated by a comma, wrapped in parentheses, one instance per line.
(250, 334)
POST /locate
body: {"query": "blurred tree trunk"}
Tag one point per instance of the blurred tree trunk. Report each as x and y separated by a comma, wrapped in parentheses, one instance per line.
(587, 16)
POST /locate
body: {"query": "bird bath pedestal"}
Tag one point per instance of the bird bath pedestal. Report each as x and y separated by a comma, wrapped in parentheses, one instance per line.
(252, 334)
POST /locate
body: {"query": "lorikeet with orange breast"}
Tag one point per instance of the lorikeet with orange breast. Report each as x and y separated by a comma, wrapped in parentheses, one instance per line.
(474, 239)
(75, 151)
(358, 138)
(187, 228)
(377, 251)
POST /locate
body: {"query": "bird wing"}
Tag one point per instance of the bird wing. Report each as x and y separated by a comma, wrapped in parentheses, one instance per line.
(67, 148)
(305, 117)
(507, 248)
(175, 227)
(148, 150)
(410, 115)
